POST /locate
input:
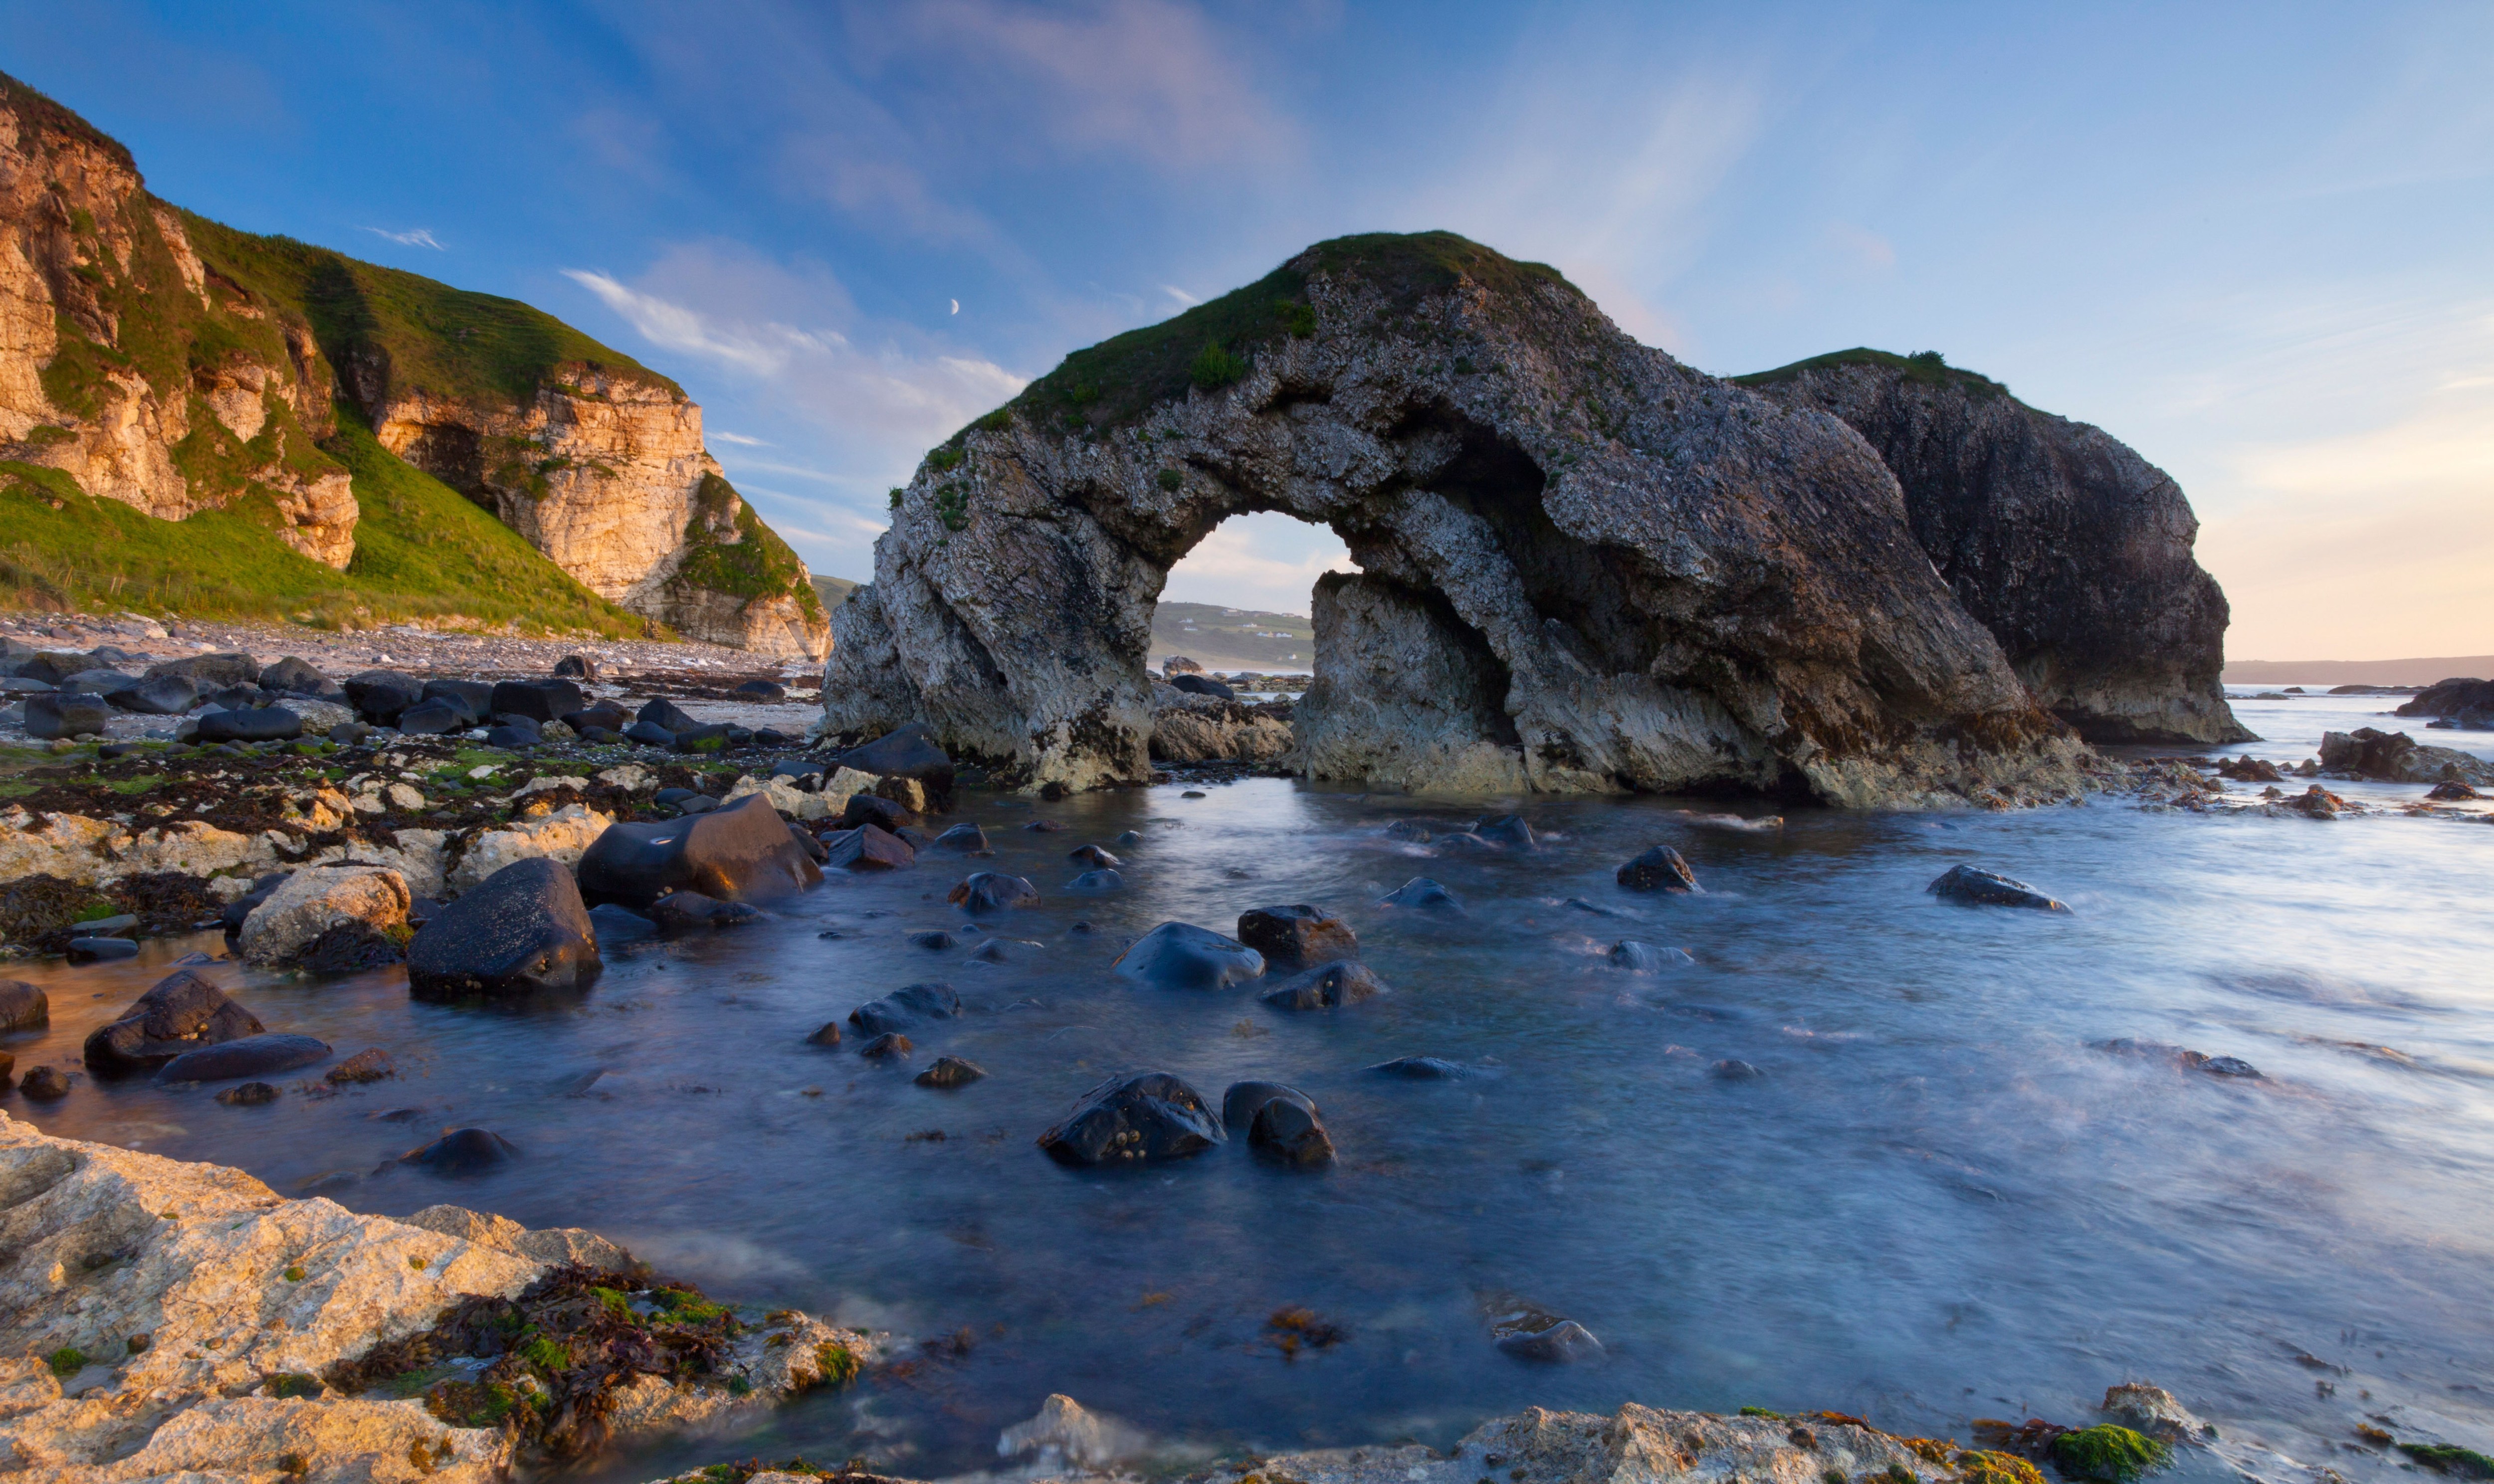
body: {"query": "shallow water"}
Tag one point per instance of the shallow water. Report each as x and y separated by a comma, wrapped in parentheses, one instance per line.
(1941, 1201)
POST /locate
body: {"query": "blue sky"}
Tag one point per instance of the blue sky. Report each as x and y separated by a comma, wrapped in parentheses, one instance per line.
(2256, 242)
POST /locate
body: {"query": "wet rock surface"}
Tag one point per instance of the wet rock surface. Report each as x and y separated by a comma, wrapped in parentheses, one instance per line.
(1972, 886)
(1326, 986)
(1296, 936)
(184, 1012)
(1180, 955)
(525, 931)
(248, 1056)
(1143, 1119)
(736, 853)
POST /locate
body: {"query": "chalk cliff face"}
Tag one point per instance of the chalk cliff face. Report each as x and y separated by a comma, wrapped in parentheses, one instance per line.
(1592, 567)
(2069, 547)
(176, 365)
(124, 366)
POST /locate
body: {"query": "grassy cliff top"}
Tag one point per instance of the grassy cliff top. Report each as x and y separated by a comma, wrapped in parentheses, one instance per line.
(39, 113)
(1924, 367)
(434, 338)
(1116, 381)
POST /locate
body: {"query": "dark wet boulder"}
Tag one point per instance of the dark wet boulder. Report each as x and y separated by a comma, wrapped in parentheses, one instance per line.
(1564, 1343)
(1326, 986)
(463, 1152)
(524, 931)
(1097, 883)
(1134, 1120)
(738, 852)
(950, 1072)
(967, 839)
(1509, 830)
(23, 1006)
(1421, 1069)
(1409, 831)
(1644, 957)
(827, 1033)
(236, 698)
(1092, 855)
(665, 713)
(598, 714)
(240, 909)
(1281, 1124)
(540, 700)
(295, 675)
(983, 892)
(882, 813)
(474, 700)
(683, 800)
(267, 723)
(1297, 935)
(1240, 1105)
(1659, 869)
(1970, 887)
(1202, 686)
(1734, 1069)
(890, 1047)
(1421, 894)
(50, 715)
(910, 1005)
(937, 941)
(764, 691)
(247, 1095)
(683, 911)
(650, 735)
(45, 1084)
(183, 1012)
(2452, 789)
(97, 683)
(1006, 950)
(910, 752)
(369, 1065)
(867, 848)
(381, 696)
(225, 667)
(1045, 825)
(513, 733)
(1130, 838)
(350, 946)
(708, 737)
(259, 1055)
(434, 719)
(1180, 955)
(100, 949)
(167, 695)
(814, 849)
(576, 667)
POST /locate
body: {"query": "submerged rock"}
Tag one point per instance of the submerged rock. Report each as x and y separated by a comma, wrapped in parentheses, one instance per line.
(1297, 935)
(869, 847)
(182, 1013)
(1659, 869)
(890, 1047)
(1566, 1342)
(1180, 955)
(985, 891)
(463, 1152)
(950, 1072)
(2154, 1412)
(967, 838)
(1644, 957)
(906, 1007)
(1281, 1124)
(683, 911)
(23, 1006)
(1326, 986)
(524, 931)
(738, 852)
(1141, 1119)
(1097, 883)
(1421, 1069)
(249, 1056)
(1421, 894)
(1733, 1070)
(1094, 856)
(249, 1095)
(1973, 886)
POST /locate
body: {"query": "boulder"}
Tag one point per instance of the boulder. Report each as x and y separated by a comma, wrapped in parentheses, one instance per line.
(1092, 855)
(1006, 950)
(310, 903)
(238, 911)
(350, 948)
(369, 1065)
(182, 1013)
(1506, 830)
(950, 1072)
(434, 719)
(1178, 664)
(986, 892)
(2394, 757)
(165, 695)
(249, 1056)
(1096, 883)
(741, 852)
(906, 1007)
(512, 734)
(868, 809)
(463, 1152)
(1195, 683)
(2461, 696)
(45, 1084)
(474, 700)
(379, 696)
(576, 667)
(2156, 1412)
(1281, 1124)
(764, 691)
(524, 931)
(707, 738)
(1326, 986)
(867, 848)
(293, 674)
(666, 713)
(650, 735)
(1297, 935)
(1421, 1069)
(935, 942)
(1644, 957)
(1972, 887)
(890, 1047)
(2453, 791)
(99, 950)
(1659, 869)
(1421, 894)
(565, 836)
(827, 1033)
(966, 839)
(228, 667)
(784, 794)
(268, 723)
(540, 700)
(249, 1095)
(1141, 1119)
(52, 714)
(908, 752)
(96, 682)
(1179, 955)
(23, 1007)
(683, 911)
(605, 715)
(1564, 1343)
(1734, 1069)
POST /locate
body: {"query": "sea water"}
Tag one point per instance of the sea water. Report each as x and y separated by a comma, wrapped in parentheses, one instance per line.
(1943, 1197)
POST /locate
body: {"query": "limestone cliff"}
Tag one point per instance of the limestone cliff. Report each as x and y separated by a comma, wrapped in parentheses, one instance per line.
(2069, 547)
(1599, 570)
(178, 365)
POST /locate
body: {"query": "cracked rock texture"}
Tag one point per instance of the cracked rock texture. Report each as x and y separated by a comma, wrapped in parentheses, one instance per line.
(1656, 579)
(2069, 547)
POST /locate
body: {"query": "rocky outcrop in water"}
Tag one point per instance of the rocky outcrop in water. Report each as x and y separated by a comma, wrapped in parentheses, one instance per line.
(1595, 569)
(177, 366)
(2069, 547)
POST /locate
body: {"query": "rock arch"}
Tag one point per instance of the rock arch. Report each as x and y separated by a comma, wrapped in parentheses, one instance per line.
(1585, 566)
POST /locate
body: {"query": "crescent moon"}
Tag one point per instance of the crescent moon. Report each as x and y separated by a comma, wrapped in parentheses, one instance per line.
(956, 306)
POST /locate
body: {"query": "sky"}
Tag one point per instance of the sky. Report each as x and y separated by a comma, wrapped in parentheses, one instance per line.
(2255, 242)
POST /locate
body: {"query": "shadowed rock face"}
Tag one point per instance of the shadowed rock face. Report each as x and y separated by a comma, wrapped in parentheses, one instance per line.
(1619, 573)
(2069, 547)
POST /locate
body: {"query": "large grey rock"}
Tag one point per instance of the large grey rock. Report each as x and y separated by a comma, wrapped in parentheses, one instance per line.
(522, 931)
(208, 672)
(2395, 757)
(161, 695)
(54, 714)
(182, 1013)
(1180, 955)
(2069, 547)
(1672, 582)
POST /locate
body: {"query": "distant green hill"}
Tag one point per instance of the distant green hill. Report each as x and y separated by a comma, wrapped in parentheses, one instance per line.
(1221, 638)
(834, 591)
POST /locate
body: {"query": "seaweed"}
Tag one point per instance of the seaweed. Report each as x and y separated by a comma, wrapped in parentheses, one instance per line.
(2110, 1453)
(2443, 1458)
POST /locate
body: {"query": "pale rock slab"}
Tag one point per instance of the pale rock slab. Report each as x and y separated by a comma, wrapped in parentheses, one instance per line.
(314, 899)
(563, 835)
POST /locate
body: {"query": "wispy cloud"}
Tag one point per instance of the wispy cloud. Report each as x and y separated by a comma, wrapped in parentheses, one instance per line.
(762, 348)
(1185, 299)
(739, 440)
(418, 236)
